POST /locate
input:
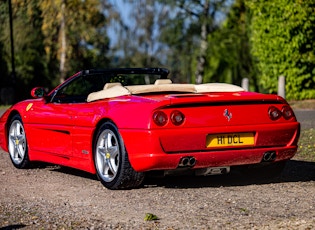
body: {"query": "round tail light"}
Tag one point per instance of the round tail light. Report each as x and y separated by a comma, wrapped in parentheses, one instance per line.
(177, 117)
(274, 113)
(287, 112)
(160, 118)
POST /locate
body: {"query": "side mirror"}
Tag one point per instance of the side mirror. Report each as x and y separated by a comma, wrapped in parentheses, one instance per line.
(38, 92)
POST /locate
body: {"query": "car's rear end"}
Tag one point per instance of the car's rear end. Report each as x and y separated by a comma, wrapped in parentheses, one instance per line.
(214, 130)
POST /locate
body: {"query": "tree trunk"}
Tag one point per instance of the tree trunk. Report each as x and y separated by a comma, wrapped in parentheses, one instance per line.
(201, 59)
(63, 44)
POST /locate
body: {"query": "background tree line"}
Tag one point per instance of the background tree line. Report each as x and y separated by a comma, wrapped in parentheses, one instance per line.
(198, 40)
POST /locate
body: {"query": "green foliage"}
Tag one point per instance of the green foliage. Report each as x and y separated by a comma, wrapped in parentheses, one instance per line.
(229, 50)
(4, 72)
(137, 40)
(36, 30)
(181, 54)
(86, 39)
(150, 217)
(256, 39)
(29, 51)
(185, 36)
(3, 67)
(282, 34)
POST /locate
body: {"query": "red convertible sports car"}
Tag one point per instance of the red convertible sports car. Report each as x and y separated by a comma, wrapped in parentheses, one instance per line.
(122, 123)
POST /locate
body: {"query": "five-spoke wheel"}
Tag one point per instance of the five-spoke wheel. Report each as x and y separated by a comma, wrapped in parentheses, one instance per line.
(107, 155)
(111, 160)
(17, 143)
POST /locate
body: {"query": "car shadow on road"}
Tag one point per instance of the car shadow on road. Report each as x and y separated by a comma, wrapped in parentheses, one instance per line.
(68, 170)
(13, 227)
(295, 171)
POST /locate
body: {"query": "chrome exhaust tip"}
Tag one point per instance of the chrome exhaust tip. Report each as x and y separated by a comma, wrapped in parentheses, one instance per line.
(187, 162)
(192, 161)
(269, 156)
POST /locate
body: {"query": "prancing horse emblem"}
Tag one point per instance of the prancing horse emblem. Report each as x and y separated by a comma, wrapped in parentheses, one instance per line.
(227, 114)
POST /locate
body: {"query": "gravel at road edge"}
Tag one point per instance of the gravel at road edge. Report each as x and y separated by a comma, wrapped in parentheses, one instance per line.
(54, 197)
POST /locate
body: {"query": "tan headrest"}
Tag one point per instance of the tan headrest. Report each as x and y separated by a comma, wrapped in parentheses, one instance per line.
(110, 85)
(162, 81)
(115, 91)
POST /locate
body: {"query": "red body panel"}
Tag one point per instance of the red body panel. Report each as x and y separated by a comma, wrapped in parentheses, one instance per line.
(163, 149)
(64, 133)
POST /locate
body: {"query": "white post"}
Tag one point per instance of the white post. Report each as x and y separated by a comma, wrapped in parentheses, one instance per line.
(281, 86)
(245, 84)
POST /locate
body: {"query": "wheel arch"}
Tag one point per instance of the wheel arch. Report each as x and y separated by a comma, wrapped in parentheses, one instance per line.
(126, 176)
(97, 127)
(7, 126)
(24, 161)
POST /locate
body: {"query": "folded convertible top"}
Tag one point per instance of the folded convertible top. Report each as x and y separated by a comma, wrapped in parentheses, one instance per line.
(116, 89)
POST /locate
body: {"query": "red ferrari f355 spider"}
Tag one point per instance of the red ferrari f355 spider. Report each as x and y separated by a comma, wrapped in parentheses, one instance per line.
(122, 123)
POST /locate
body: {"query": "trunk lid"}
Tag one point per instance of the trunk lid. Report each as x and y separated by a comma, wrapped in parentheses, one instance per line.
(222, 109)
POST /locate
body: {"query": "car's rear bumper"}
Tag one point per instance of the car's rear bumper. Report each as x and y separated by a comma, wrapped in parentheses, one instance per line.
(146, 162)
(149, 150)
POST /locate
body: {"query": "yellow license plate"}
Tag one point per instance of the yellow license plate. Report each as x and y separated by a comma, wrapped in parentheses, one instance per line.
(230, 139)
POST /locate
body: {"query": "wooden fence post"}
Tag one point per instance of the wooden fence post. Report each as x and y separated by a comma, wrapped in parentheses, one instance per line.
(281, 86)
(245, 84)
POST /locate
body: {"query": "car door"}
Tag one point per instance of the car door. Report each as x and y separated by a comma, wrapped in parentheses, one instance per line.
(50, 126)
(54, 123)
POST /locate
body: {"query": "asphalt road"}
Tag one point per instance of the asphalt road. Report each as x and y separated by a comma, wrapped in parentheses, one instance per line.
(305, 117)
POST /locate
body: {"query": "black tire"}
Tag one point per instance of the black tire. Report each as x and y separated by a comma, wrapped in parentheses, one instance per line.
(17, 143)
(111, 161)
(264, 170)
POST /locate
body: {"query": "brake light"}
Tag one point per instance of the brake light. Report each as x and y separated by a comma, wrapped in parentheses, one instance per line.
(160, 118)
(274, 113)
(177, 117)
(287, 112)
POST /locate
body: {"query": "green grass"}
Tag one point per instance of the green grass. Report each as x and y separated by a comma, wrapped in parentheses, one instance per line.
(304, 104)
(4, 107)
(306, 150)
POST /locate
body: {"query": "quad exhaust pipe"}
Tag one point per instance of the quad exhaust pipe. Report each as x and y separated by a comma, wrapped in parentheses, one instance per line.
(187, 162)
(269, 156)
